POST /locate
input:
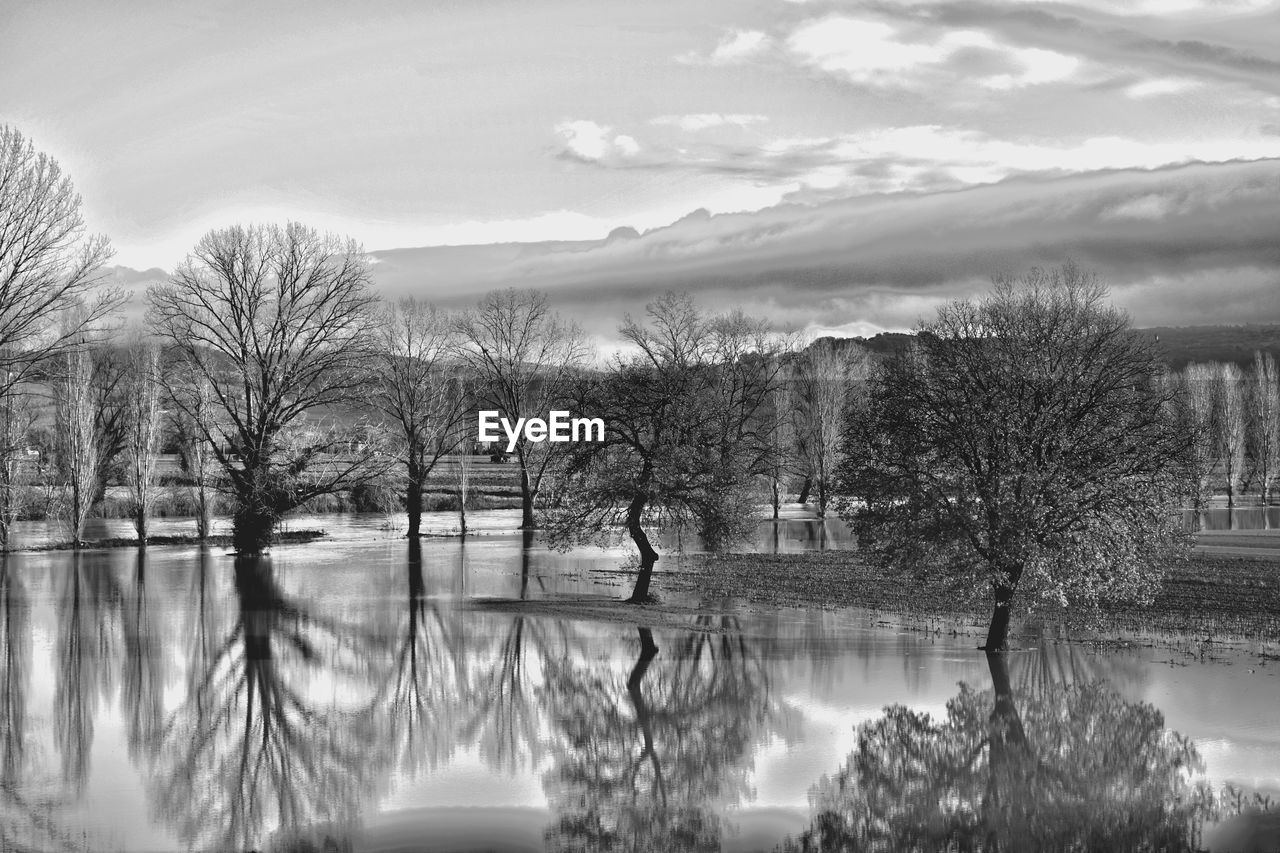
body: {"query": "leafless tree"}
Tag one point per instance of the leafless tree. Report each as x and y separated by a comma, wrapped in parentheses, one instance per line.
(142, 417)
(192, 424)
(1264, 418)
(686, 433)
(77, 436)
(524, 357)
(1231, 426)
(17, 420)
(826, 382)
(48, 266)
(1202, 395)
(418, 387)
(276, 321)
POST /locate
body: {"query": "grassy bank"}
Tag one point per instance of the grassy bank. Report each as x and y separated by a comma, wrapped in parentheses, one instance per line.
(1209, 596)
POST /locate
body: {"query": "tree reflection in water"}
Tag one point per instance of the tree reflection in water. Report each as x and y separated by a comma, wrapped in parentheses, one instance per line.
(421, 689)
(142, 682)
(89, 606)
(646, 761)
(249, 748)
(504, 709)
(1062, 767)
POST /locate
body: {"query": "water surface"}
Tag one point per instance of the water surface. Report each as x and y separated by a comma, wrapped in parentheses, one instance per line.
(343, 690)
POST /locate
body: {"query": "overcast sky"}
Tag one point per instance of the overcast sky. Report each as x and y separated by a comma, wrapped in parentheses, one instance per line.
(877, 156)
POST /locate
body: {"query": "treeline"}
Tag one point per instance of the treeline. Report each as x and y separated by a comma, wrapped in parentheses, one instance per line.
(1234, 415)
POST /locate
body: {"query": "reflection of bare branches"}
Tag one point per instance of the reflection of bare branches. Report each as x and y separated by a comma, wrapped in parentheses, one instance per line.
(87, 609)
(142, 683)
(505, 718)
(248, 749)
(425, 681)
(642, 761)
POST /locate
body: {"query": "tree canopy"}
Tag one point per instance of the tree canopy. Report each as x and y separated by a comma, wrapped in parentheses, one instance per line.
(1024, 441)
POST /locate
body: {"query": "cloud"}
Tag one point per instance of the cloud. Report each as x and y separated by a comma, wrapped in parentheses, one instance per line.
(734, 47)
(594, 143)
(703, 121)
(872, 52)
(1166, 240)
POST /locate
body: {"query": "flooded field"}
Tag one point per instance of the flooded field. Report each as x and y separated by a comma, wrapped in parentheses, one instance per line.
(354, 694)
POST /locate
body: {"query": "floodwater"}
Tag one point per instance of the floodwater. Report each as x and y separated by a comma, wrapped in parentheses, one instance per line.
(347, 695)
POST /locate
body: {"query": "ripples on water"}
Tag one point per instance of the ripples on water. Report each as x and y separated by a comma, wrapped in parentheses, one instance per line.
(338, 693)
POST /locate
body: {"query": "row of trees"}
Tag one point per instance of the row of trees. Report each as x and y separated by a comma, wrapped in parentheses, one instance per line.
(1235, 417)
(266, 339)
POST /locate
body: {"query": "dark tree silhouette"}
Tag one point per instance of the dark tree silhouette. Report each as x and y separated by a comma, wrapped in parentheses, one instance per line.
(1023, 441)
(274, 321)
(1071, 768)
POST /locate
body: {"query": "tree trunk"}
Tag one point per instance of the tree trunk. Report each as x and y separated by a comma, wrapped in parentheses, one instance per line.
(822, 498)
(526, 500)
(998, 633)
(648, 556)
(251, 529)
(777, 499)
(140, 524)
(462, 513)
(413, 502)
(805, 488)
(526, 546)
(203, 521)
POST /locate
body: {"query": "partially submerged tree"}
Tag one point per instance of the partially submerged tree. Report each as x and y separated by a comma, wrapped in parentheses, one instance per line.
(418, 387)
(78, 447)
(275, 320)
(50, 288)
(1022, 442)
(685, 433)
(524, 358)
(142, 421)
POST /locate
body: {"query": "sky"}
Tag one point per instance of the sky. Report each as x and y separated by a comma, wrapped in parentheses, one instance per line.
(836, 166)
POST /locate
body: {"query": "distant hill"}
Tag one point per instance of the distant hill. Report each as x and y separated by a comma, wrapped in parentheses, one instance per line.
(1184, 344)
(1181, 344)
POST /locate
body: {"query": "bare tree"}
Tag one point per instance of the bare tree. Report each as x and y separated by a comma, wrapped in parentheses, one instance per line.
(685, 432)
(1265, 421)
(77, 437)
(142, 415)
(48, 267)
(524, 357)
(1202, 396)
(1231, 430)
(826, 382)
(275, 320)
(418, 387)
(17, 420)
(464, 480)
(192, 424)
